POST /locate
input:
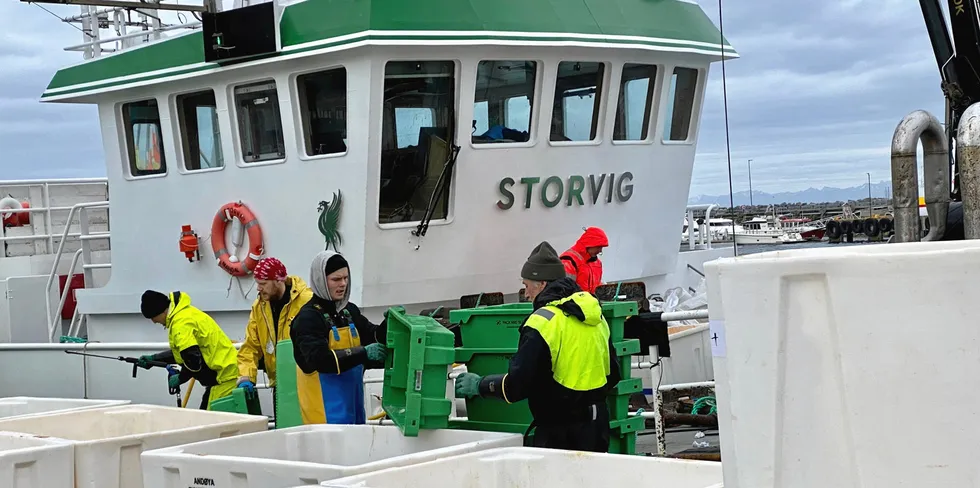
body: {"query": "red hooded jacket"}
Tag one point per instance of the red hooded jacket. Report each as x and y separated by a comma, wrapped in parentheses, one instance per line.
(586, 270)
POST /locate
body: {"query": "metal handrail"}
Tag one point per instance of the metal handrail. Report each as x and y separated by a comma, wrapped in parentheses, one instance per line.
(57, 259)
(56, 181)
(79, 235)
(52, 325)
(47, 209)
(133, 35)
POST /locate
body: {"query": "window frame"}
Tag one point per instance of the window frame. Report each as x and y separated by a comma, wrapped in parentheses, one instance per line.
(378, 88)
(179, 137)
(237, 128)
(654, 99)
(125, 136)
(693, 125)
(598, 112)
(298, 112)
(536, 106)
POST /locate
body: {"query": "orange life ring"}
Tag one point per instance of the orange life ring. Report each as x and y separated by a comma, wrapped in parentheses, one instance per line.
(225, 214)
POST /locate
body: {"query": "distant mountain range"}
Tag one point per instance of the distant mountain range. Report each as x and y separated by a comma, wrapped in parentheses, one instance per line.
(826, 194)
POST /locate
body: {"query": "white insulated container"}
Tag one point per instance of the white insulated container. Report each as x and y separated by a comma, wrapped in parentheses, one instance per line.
(526, 467)
(22, 406)
(830, 363)
(28, 461)
(308, 454)
(108, 441)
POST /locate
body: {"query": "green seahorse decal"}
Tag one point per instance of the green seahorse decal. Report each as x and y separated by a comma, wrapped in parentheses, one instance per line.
(329, 221)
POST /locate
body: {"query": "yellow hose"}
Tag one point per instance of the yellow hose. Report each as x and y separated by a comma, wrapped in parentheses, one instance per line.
(190, 387)
(378, 416)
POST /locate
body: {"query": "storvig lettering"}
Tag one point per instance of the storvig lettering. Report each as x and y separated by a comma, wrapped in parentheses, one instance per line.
(554, 190)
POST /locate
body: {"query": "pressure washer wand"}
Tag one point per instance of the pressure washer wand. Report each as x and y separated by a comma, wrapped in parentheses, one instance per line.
(135, 362)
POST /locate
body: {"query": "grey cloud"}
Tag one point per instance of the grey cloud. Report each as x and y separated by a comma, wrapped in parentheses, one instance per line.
(813, 100)
(42, 140)
(816, 95)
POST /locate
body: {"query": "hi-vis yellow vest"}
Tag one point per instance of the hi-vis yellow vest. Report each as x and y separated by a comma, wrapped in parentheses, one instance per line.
(579, 349)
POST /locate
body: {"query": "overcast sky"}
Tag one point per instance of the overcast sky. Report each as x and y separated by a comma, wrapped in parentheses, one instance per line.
(813, 100)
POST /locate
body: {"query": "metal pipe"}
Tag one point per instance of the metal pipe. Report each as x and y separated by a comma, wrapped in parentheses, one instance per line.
(56, 181)
(915, 127)
(684, 315)
(685, 386)
(41, 236)
(33, 209)
(968, 160)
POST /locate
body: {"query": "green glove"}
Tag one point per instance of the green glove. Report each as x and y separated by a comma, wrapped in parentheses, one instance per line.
(468, 385)
(376, 352)
(173, 381)
(144, 361)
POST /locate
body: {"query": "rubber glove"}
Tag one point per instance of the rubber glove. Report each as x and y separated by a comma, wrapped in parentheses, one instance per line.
(468, 385)
(144, 361)
(376, 352)
(249, 388)
(173, 381)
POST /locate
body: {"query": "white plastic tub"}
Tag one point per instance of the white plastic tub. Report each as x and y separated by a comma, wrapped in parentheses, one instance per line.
(28, 461)
(108, 441)
(848, 367)
(307, 454)
(526, 467)
(17, 407)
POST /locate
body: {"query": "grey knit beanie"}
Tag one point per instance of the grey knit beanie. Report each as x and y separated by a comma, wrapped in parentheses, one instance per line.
(543, 264)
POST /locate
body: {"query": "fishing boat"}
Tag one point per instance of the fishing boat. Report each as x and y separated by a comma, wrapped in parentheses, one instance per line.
(768, 229)
(433, 143)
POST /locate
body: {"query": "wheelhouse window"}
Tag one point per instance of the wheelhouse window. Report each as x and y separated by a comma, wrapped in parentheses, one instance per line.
(197, 115)
(323, 107)
(575, 114)
(144, 138)
(259, 122)
(416, 147)
(503, 101)
(635, 102)
(683, 88)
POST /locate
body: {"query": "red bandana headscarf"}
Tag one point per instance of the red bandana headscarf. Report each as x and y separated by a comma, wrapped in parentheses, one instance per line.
(270, 269)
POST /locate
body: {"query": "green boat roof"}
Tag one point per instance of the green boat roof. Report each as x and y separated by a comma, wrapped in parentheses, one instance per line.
(312, 25)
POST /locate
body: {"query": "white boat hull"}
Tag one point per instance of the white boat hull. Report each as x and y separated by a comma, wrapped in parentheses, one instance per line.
(773, 238)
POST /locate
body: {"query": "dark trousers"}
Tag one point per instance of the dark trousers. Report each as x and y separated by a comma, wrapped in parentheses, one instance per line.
(205, 397)
(590, 435)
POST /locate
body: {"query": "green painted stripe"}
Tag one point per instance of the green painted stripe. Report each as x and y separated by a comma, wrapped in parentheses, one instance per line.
(319, 21)
(171, 53)
(159, 77)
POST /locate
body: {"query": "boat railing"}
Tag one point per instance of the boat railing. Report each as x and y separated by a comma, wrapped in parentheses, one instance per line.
(703, 240)
(132, 23)
(46, 209)
(85, 252)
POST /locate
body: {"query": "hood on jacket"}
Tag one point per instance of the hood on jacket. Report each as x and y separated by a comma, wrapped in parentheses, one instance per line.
(592, 237)
(179, 300)
(566, 295)
(318, 279)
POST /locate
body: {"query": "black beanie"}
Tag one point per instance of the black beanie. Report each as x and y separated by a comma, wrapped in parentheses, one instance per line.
(543, 264)
(334, 263)
(154, 303)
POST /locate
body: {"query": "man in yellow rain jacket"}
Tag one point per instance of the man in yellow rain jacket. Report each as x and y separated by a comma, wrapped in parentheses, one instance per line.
(333, 344)
(197, 344)
(280, 299)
